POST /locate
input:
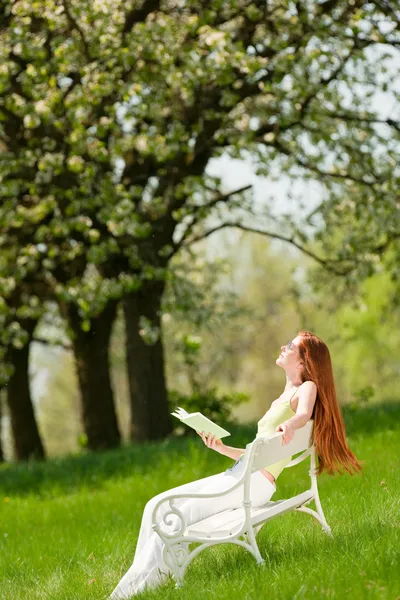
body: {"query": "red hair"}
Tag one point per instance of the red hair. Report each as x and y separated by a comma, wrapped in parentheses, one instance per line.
(329, 431)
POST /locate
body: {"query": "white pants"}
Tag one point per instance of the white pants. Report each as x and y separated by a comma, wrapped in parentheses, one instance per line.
(148, 567)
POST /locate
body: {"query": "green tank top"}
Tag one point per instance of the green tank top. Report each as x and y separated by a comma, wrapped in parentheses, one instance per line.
(277, 414)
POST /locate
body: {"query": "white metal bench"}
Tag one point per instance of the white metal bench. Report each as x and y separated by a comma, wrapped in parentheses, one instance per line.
(240, 525)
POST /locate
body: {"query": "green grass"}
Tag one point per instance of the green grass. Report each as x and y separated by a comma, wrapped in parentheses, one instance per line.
(68, 528)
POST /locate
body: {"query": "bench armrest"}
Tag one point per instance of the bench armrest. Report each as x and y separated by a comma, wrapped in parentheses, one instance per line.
(174, 511)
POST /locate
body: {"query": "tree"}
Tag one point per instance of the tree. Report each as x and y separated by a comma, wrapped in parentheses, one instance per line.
(91, 352)
(110, 116)
(1, 427)
(27, 440)
(18, 321)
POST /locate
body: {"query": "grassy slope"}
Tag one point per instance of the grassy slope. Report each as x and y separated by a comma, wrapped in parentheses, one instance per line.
(68, 528)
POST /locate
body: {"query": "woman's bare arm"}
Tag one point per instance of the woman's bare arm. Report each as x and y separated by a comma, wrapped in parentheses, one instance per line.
(216, 444)
(305, 406)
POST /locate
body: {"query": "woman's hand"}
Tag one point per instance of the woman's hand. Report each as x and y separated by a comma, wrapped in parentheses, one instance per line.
(287, 430)
(211, 441)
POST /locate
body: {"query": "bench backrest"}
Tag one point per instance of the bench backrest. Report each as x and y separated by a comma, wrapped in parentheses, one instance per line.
(269, 450)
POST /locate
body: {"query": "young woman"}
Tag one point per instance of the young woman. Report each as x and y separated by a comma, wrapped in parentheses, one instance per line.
(309, 393)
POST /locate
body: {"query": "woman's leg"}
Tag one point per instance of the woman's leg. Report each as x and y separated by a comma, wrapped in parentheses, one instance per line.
(197, 509)
(148, 567)
(148, 560)
(146, 529)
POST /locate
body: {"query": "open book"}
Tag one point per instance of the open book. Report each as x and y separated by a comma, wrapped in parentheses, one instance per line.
(200, 423)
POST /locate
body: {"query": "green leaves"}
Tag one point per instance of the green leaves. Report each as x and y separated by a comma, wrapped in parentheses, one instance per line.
(109, 118)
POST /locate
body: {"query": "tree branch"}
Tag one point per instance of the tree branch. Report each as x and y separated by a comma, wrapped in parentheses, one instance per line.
(323, 174)
(40, 340)
(323, 82)
(209, 205)
(138, 15)
(75, 25)
(327, 264)
(361, 119)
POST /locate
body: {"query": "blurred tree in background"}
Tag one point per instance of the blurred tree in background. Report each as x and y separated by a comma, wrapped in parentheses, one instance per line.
(267, 300)
(109, 116)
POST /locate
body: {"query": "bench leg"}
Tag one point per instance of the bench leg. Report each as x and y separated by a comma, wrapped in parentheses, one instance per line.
(254, 546)
(321, 515)
(320, 519)
(175, 556)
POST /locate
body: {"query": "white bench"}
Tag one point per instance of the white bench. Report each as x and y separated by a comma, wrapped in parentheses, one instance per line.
(240, 525)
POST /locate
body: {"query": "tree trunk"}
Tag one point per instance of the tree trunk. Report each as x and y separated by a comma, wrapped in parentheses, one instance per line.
(1, 426)
(91, 350)
(27, 442)
(150, 417)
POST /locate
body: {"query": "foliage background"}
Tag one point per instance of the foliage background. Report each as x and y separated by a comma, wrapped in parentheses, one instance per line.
(239, 308)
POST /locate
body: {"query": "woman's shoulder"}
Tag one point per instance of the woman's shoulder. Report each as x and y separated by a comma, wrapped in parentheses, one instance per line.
(309, 384)
(308, 388)
(307, 395)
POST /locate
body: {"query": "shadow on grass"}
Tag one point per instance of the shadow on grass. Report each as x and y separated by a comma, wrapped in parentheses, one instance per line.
(88, 469)
(69, 474)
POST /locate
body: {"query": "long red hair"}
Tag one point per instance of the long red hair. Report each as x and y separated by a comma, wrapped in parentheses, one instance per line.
(329, 432)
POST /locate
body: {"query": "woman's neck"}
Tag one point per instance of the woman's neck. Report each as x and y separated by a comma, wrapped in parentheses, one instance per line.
(292, 382)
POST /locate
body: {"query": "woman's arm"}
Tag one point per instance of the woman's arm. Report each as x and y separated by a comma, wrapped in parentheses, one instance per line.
(216, 444)
(305, 407)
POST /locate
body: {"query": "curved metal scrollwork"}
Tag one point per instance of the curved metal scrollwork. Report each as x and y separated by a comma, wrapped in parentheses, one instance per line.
(176, 557)
(181, 553)
(173, 522)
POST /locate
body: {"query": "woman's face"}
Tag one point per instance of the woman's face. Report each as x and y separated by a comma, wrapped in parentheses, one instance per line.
(289, 357)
